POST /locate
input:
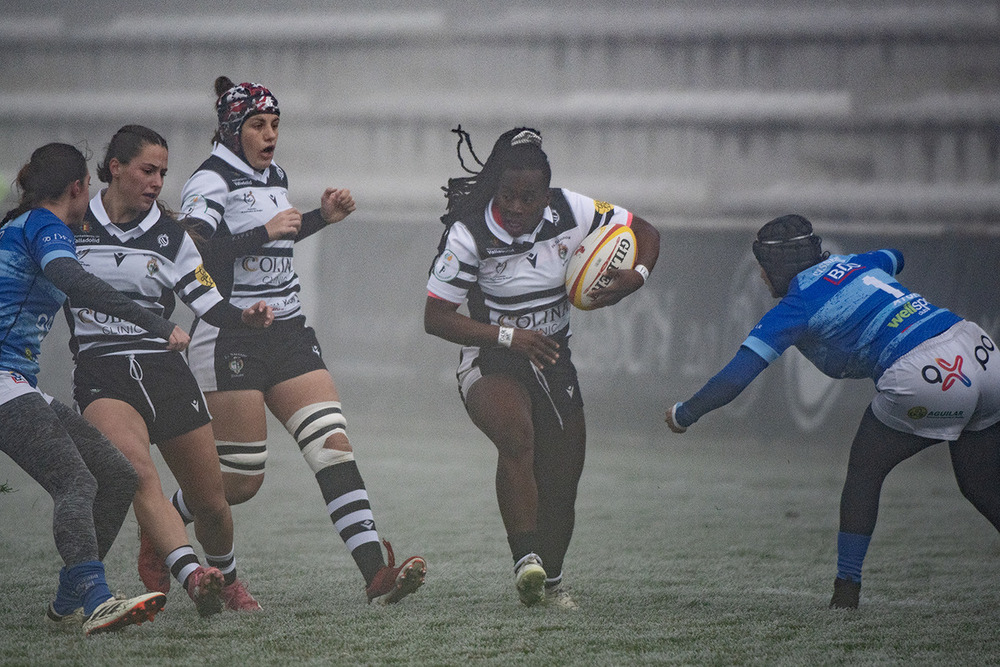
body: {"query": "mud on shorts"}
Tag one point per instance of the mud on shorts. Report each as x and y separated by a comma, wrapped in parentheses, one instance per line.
(945, 385)
(245, 358)
(158, 385)
(554, 391)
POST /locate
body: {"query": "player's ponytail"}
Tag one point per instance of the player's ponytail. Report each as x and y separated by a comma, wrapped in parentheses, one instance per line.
(520, 148)
(51, 169)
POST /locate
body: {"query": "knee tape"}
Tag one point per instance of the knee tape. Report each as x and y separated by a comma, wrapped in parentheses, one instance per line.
(242, 458)
(311, 426)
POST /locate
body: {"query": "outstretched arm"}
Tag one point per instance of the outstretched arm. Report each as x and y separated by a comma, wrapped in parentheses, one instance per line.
(725, 386)
(87, 290)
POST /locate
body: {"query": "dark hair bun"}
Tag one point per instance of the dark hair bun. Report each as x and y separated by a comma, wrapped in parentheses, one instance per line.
(222, 84)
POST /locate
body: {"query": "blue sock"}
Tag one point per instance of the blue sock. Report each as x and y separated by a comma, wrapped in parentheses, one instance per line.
(851, 550)
(87, 581)
(66, 600)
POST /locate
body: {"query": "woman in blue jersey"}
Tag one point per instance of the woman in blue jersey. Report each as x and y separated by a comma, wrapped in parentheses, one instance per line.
(238, 200)
(937, 375)
(90, 482)
(137, 393)
(509, 237)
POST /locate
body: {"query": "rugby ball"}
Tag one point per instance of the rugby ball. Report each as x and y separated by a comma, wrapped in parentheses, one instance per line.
(605, 247)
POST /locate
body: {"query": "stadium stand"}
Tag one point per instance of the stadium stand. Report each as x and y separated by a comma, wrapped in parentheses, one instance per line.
(886, 112)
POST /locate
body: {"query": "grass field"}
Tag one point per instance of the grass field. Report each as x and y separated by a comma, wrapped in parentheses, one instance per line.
(687, 551)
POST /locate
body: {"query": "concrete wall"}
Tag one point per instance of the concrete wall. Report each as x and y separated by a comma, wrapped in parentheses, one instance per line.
(877, 120)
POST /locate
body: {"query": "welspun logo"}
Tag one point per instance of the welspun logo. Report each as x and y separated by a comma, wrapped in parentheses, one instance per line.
(915, 307)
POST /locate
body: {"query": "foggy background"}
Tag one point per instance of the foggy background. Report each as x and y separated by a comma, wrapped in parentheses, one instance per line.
(878, 121)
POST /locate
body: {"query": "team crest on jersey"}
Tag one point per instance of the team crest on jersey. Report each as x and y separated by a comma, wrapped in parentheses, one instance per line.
(563, 251)
(152, 266)
(603, 207)
(235, 366)
(251, 202)
(203, 276)
(447, 266)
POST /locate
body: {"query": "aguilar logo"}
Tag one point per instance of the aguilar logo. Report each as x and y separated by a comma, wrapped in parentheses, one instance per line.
(952, 373)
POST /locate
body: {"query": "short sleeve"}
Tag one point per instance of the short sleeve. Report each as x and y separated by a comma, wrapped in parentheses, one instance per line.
(48, 237)
(194, 285)
(778, 330)
(204, 199)
(456, 268)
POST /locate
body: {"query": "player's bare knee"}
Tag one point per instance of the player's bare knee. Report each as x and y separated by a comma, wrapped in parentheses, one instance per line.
(241, 488)
(320, 430)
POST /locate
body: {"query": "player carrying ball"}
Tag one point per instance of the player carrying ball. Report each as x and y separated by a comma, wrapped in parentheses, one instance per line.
(505, 251)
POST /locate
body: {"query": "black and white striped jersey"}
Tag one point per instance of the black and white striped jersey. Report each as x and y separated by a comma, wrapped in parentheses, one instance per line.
(149, 263)
(230, 198)
(519, 282)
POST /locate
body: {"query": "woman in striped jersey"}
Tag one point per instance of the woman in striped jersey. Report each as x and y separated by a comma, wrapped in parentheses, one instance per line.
(505, 250)
(137, 393)
(239, 199)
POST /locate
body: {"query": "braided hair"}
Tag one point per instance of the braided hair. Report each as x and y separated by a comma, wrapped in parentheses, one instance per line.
(51, 169)
(785, 247)
(520, 148)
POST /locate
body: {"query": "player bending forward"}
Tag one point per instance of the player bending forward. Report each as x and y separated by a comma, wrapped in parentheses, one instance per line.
(850, 317)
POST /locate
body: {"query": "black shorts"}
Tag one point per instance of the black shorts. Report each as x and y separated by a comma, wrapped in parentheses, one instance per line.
(554, 394)
(159, 386)
(238, 359)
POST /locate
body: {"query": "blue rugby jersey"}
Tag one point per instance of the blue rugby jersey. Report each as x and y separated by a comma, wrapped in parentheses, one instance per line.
(28, 300)
(849, 316)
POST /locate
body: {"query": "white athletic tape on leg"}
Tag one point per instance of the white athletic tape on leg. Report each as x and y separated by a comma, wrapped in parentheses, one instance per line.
(242, 458)
(311, 426)
(319, 457)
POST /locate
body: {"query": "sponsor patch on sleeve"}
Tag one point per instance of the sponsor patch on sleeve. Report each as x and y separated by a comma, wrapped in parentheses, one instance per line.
(203, 276)
(447, 266)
